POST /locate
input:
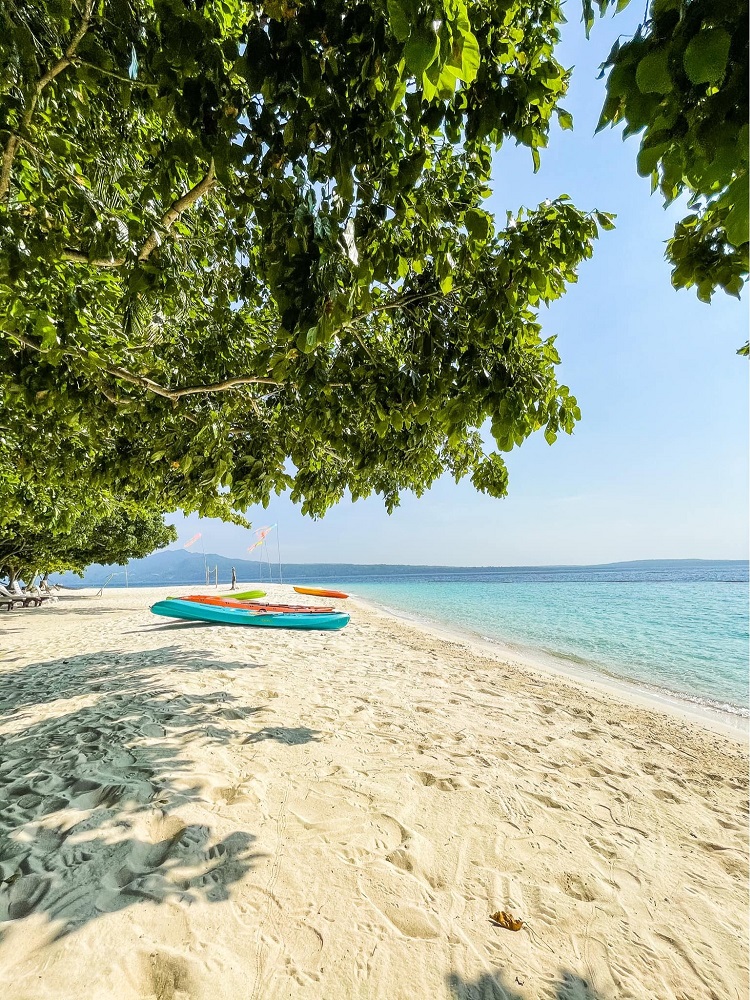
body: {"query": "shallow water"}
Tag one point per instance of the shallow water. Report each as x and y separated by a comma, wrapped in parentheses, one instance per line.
(683, 631)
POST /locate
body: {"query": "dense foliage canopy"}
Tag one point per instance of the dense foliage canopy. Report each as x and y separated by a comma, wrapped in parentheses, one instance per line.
(243, 246)
(42, 531)
(681, 83)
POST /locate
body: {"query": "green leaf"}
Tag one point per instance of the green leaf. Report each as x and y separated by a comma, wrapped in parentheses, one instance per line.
(734, 286)
(564, 118)
(397, 97)
(648, 159)
(652, 74)
(400, 13)
(421, 50)
(470, 58)
(58, 145)
(605, 220)
(705, 58)
(477, 223)
(46, 329)
(736, 224)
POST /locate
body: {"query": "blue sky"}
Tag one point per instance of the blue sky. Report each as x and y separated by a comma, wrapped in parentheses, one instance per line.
(657, 467)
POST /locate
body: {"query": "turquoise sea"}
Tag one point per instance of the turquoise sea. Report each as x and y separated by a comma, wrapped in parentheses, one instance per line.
(674, 628)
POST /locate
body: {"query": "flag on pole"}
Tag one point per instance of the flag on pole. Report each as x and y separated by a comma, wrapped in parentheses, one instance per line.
(260, 536)
(192, 541)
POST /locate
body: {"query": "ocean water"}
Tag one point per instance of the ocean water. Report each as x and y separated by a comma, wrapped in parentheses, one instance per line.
(674, 628)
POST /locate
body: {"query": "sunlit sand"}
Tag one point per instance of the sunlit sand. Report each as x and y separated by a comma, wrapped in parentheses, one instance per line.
(196, 812)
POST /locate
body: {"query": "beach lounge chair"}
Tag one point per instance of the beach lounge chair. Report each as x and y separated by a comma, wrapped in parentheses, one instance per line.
(8, 598)
(33, 591)
(43, 592)
(28, 593)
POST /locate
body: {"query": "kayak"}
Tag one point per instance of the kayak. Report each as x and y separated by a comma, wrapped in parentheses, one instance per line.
(249, 595)
(229, 602)
(218, 615)
(320, 592)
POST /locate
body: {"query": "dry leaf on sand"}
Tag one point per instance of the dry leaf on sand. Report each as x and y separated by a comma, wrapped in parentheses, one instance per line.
(507, 920)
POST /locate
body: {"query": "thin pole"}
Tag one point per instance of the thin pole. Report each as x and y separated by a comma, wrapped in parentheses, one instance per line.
(278, 549)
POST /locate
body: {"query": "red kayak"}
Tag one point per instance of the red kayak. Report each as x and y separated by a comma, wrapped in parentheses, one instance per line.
(230, 602)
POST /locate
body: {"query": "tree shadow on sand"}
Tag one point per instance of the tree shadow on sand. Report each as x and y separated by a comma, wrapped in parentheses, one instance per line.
(90, 796)
(491, 986)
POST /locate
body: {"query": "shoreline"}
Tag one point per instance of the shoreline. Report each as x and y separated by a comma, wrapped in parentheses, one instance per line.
(735, 726)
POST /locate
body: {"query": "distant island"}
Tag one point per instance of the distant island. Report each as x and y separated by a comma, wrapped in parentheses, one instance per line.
(184, 568)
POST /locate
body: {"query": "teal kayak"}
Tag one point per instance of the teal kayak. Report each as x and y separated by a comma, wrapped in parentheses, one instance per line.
(193, 611)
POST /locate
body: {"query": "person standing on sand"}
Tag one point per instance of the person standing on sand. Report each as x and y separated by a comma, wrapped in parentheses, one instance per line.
(234, 579)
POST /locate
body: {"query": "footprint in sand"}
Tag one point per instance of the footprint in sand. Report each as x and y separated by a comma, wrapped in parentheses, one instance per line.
(401, 859)
(546, 800)
(411, 921)
(664, 795)
(401, 899)
(728, 824)
(606, 850)
(444, 784)
(303, 945)
(165, 977)
(164, 832)
(24, 894)
(152, 729)
(541, 905)
(577, 887)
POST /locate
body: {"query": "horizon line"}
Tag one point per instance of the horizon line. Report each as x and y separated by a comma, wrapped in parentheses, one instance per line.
(613, 562)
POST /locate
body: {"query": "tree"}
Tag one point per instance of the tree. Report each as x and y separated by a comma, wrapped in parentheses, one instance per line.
(681, 84)
(44, 533)
(280, 274)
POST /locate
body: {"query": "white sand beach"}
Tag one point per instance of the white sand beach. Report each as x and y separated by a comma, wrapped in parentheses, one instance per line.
(190, 812)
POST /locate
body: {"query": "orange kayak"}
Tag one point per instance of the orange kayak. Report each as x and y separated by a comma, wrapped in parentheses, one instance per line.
(230, 602)
(320, 592)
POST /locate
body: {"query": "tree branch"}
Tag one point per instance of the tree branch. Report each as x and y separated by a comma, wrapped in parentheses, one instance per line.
(108, 72)
(116, 401)
(229, 383)
(14, 140)
(176, 210)
(7, 164)
(169, 218)
(402, 302)
(150, 385)
(78, 257)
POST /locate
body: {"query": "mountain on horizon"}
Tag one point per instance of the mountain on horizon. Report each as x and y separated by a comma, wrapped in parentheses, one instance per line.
(178, 566)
